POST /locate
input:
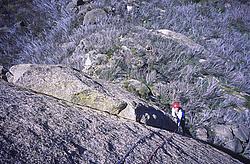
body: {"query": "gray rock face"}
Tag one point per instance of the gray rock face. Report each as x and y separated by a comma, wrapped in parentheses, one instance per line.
(74, 86)
(232, 137)
(222, 133)
(40, 129)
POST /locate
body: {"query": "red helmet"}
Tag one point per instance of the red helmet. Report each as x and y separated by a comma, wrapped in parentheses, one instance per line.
(176, 105)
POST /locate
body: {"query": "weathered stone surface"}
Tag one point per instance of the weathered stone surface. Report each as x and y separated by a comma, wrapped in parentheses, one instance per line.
(246, 152)
(74, 86)
(234, 145)
(40, 129)
(241, 132)
(94, 16)
(222, 133)
(201, 134)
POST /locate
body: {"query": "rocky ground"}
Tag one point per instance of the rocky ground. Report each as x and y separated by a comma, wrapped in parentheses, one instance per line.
(137, 57)
(36, 128)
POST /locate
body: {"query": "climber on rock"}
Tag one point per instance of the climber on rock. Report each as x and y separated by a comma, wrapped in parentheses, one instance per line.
(179, 117)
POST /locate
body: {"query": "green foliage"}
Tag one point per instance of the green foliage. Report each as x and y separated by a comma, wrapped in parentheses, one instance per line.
(142, 91)
(247, 101)
(110, 52)
(134, 51)
(165, 101)
(239, 25)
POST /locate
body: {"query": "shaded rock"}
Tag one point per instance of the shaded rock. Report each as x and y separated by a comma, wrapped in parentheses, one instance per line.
(234, 145)
(1, 72)
(74, 86)
(82, 2)
(94, 16)
(241, 132)
(101, 59)
(40, 129)
(246, 152)
(156, 118)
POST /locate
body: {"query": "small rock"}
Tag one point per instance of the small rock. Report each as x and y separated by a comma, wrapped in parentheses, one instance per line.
(234, 145)
(202, 60)
(94, 16)
(201, 134)
(241, 132)
(157, 89)
(129, 8)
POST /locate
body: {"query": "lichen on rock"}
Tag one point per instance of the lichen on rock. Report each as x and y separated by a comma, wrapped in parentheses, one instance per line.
(98, 101)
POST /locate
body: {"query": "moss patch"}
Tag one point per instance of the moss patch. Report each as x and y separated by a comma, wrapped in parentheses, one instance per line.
(98, 101)
(239, 25)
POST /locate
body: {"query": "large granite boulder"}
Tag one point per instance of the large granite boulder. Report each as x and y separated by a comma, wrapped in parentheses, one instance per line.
(74, 86)
(232, 137)
(221, 133)
(36, 128)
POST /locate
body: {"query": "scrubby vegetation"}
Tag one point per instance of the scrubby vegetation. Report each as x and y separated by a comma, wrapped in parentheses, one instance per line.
(48, 31)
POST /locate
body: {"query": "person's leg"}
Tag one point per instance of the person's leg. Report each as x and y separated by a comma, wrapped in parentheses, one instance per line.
(176, 125)
(183, 127)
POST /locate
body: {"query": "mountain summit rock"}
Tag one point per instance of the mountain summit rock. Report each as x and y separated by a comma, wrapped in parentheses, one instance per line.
(76, 87)
(36, 128)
